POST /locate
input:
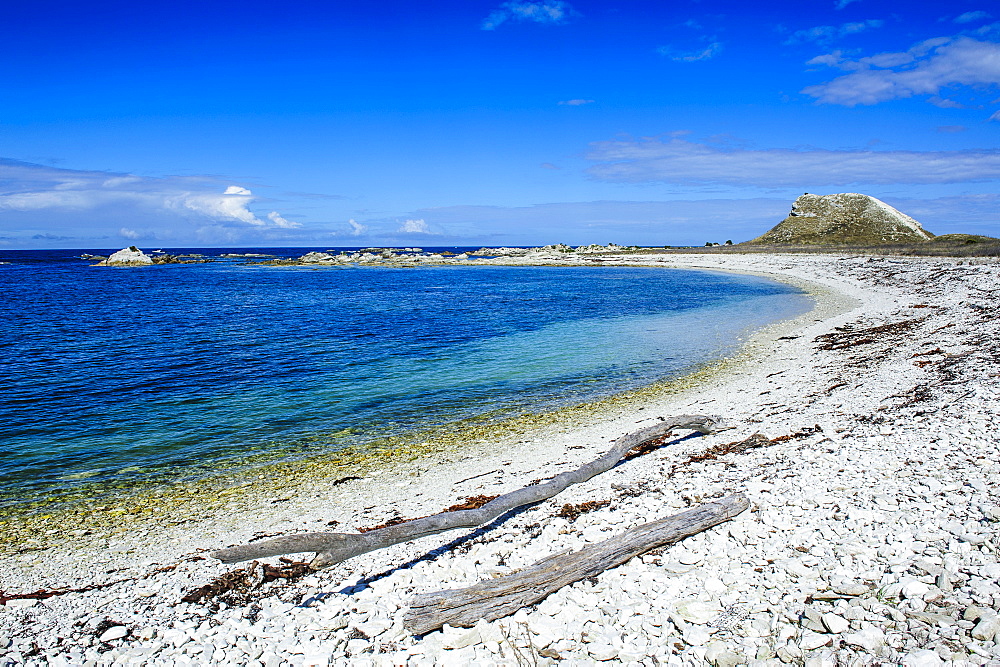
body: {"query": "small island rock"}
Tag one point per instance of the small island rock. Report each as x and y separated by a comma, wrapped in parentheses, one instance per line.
(130, 256)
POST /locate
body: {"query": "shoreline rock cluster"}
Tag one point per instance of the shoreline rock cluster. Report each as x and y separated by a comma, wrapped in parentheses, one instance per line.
(550, 249)
(134, 257)
(402, 257)
(379, 256)
(871, 539)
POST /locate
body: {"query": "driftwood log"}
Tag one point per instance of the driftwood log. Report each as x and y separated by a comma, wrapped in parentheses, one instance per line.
(332, 548)
(496, 598)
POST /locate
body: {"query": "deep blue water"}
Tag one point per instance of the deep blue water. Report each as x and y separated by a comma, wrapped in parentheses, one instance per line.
(115, 375)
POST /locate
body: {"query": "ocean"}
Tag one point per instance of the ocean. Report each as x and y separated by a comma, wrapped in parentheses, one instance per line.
(116, 378)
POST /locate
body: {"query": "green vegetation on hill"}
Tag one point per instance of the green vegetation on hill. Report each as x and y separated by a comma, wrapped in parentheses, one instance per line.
(843, 219)
(964, 239)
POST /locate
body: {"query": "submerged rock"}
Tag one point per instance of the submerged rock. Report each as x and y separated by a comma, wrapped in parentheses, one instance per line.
(169, 259)
(843, 219)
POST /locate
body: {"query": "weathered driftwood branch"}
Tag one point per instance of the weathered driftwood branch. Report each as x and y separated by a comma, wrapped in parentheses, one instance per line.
(496, 598)
(332, 548)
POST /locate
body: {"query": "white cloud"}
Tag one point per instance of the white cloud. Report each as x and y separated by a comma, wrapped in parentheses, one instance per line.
(995, 116)
(710, 51)
(824, 34)
(29, 201)
(691, 43)
(687, 162)
(843, 3)
(546, 11)
(357, 229)
(279, 221)
(945, 103)
(119, 181)
(415, 227)
(233, 204)
(47, 194)
(925, 69)
(576, 103)
(972, 17)
(36, 187)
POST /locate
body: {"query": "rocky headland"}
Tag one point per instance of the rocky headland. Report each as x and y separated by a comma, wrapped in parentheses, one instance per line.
(843, 219)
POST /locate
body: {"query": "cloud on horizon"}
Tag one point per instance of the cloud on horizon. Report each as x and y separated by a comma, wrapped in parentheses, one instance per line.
(418, 226)
(965, 214)
(684, 222)
(679, 161)
(32, 195)
(551, 12)
(137, 212)
(925, 69)
(279, 221)
(357, 229)
(679, 222)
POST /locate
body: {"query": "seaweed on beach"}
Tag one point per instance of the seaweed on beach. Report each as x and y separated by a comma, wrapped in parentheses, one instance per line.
(470, 503)
(572, 512)
(394, 521)
(755, 441)
(850, 336)
(647, 447)
(239, 581)
(738, 447)
(947, 370)
(237, 586)
(46, 593)
(291, 570)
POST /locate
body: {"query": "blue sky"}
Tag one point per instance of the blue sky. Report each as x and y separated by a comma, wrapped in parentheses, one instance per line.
(485, 122)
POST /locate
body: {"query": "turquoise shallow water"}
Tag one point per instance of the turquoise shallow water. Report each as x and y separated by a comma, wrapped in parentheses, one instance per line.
(169, 371)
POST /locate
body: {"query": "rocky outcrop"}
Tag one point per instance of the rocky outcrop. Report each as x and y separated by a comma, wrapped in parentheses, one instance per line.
(170, 259)
(501, 252)
(408, 257)
(847, 218)
(548, 249)
(130, 256)
(371, 256)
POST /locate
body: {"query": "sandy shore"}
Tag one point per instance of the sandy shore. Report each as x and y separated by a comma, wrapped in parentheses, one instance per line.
(870, 538)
